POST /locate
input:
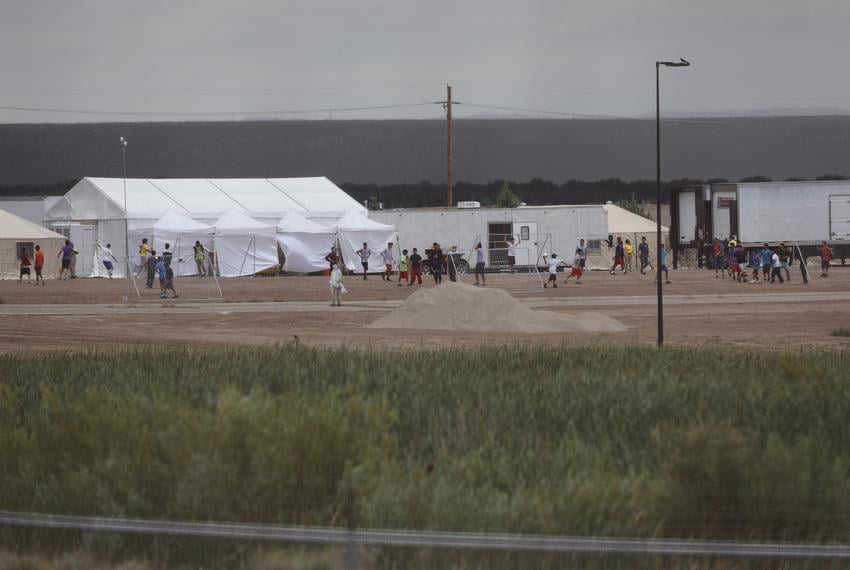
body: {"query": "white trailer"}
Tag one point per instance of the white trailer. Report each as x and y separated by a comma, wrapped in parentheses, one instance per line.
(534, 229)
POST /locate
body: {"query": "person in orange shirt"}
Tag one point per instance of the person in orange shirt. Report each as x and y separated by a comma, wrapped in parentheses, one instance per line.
(39, 265)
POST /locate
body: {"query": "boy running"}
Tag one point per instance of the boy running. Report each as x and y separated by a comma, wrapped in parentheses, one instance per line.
(364, 253)
(662, 261)
(619, 254)
(106, 257)
(39, 265)
(479, 264)
(553, 262)
(576, 270)
(65, 253)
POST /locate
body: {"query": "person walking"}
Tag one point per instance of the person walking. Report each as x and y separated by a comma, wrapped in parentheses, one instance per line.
(72, 267)
(143, 255)
(167, 255)
(389, 261)
(169, 279)
(198, 250)
(24, 258)
(717, 257)
(159, 267)
(364, 253)
(825, 258)
(628, 253)
(785, 260)
(151, 261)
(415, 268)
(581, 250)
(65, 254)
(776, 268)
(662, 264)
(755, 261)
(435, 260)
(336, 285)
(766, 256)
(39, 265)
(619, 253)
(479, 265)
(643, 254)
(403, 267)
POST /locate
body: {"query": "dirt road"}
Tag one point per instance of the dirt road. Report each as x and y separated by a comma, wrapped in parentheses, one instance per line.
(265, 311)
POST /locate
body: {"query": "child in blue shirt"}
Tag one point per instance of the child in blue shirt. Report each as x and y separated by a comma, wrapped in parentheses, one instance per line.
(755, 261)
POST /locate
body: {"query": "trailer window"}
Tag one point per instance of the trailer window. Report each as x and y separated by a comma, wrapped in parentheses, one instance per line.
(594, 246)
(524, 233)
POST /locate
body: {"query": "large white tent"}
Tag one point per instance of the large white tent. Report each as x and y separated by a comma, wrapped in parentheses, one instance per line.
(355, 229)
(94, 209)
(243, 246)
(304, 243)
(16, 233)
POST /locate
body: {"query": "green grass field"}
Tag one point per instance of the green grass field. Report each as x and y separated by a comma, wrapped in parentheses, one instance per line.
(619, 441)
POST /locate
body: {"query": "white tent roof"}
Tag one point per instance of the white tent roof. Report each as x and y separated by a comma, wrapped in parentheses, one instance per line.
(234, 222)
(177, 223)
(355, 221)
(13, 227)
(103, 198)
(295, 223)
(318, 196)
(623, 221)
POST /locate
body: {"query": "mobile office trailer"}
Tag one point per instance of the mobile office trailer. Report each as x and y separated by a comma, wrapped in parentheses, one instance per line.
(535, 230)
(804, 213)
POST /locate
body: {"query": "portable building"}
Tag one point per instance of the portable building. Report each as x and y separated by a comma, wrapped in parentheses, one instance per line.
(100, 210)
(534, 229)
(17, 233)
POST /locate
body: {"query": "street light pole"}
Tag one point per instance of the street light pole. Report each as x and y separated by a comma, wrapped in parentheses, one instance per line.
(127, 267)
(658, 64)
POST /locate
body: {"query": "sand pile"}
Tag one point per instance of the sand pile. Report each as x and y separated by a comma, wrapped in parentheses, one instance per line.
(459, 307)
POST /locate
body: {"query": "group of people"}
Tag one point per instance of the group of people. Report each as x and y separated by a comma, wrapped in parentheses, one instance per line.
(766, 264)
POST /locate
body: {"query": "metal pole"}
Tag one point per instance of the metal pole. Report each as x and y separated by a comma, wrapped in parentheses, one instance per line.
(128, 269)
(658, 201)
(450, 148)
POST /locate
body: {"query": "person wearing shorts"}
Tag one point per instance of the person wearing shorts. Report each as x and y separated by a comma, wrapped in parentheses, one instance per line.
(403, 263)
(65, 253)
(662, 263)
(389, 261)
(364, 253)
(553, 263)
(576, 270)
(198, 250)
(619, 255)
(582, 251)
(479, 265)
(25, 265)
(39, 265)
(766, 254)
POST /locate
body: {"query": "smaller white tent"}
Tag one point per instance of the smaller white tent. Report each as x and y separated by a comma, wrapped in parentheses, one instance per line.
(304, 243)
(16, 233)
(630, 226)
(244, 246)
(353, 229)
(180, 232)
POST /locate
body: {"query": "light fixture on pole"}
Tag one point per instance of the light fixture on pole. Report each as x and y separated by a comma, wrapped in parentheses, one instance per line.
(658, 64)
(127, 268)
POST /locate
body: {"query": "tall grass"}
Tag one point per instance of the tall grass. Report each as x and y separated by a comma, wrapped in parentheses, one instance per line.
(583, 440)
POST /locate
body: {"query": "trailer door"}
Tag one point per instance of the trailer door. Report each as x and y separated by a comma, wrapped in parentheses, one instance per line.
(687, 217)
(839, 217)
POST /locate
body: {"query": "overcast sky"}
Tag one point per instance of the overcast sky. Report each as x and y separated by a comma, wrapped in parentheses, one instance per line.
(264, 59)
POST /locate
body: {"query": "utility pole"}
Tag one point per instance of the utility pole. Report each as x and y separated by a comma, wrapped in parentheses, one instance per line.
(450, 174)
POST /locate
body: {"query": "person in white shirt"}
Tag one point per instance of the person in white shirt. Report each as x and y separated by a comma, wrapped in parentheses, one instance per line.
(106, 257)
(389, 261)
(511, 254)
(776, 268)
(553, 263)
(364, 254)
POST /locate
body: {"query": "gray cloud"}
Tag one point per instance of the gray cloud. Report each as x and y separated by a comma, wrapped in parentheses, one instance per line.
(582, 57)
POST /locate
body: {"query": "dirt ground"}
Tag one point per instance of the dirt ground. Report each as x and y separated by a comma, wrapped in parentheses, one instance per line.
(264, 311)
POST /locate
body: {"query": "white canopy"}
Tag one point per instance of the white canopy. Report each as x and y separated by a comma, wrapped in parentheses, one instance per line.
(179, 232)
(353, 229)
(17, 232)
(304, 243)
(243, 245)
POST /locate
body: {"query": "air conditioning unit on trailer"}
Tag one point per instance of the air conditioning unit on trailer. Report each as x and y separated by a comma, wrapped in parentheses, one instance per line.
(468, 205)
